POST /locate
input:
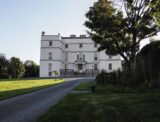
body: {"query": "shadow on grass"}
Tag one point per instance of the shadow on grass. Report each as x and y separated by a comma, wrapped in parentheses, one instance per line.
(107, 104)
(13, 93)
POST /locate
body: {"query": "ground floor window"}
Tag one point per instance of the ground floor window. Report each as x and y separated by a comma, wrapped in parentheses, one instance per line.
(110, 66)
(65, 66)
(95, 67)
(50, 69)
(50, 74)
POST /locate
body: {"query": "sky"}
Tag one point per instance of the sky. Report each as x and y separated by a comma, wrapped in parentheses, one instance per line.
(22, 22)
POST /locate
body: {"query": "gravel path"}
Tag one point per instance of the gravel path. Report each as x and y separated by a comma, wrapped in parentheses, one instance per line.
(29, 107)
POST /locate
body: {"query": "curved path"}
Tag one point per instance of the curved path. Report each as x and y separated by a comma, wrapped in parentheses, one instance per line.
(29, 107)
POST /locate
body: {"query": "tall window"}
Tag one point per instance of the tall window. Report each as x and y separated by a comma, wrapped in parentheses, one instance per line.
(50, 69)
(80, 56)
(80, 45)
(95, 56)
(110, 66)
(95, 45)
(50, 56)
(83, 57)
(95, 67)
(65, 66)
(77, 57)
(66, 45)
(50, 43)
(66, 56)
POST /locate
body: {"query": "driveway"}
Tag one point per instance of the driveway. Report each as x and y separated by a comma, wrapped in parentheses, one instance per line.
(29, 107)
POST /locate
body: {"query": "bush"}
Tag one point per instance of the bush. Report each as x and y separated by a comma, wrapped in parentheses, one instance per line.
(121, 78)
(111, 78)
(147, 63)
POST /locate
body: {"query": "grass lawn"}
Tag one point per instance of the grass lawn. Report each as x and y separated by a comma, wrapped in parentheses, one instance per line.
(10, 88)
(107, 104)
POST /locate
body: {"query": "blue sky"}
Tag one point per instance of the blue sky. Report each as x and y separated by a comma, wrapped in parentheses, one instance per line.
(23, 20)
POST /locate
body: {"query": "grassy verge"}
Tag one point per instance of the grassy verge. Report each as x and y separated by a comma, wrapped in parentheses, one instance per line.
(10, 88)
(84, 86)
(107, 104)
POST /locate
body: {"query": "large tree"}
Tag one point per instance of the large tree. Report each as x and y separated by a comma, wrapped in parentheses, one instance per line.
(156, 4)
(3, 66)
(147, 62)
(16, 68)
(120, 31)
(32, 69)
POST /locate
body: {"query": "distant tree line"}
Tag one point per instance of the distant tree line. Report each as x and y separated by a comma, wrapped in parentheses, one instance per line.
(15, 68)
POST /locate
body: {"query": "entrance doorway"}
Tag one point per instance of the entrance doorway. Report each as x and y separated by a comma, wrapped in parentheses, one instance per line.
(80, 67)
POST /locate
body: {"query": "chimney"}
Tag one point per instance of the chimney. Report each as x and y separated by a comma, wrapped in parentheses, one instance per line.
(43, 33)
(82, 35)
(73, 36)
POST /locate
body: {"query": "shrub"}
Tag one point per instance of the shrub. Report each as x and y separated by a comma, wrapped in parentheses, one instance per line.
(147, 63)
(111, 78)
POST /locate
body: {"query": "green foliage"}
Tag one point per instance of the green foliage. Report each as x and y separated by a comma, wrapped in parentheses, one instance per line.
(3, 66)
(101, 78)
(109, 78)
(16, 68)
(147, 63)
(155, 4)
(120, 32)
(119, 78)
(55, 72)
(32, 69)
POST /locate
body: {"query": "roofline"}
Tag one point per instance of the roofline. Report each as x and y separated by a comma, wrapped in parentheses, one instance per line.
(76, 37)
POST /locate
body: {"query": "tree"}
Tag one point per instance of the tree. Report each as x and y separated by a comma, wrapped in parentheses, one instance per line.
(120, 32)
(147, 62)
(3, 66)
(16, 68)
(155, 4)
(32, 69)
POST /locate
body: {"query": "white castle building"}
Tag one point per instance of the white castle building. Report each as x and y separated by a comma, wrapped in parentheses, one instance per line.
(69, 56)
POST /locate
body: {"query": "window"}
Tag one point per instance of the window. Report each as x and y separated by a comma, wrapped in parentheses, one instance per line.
(80, 45)
(50, 43)
(83, 57)
(77, 57)
(110, 57)
(95, 45)
(95, 67)
(50, 73)
(95, 58)
(66, 56)
(50, 56)
(110, 66)
(66, 45)
(50, 69)
(65, 66)
(80, 59)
